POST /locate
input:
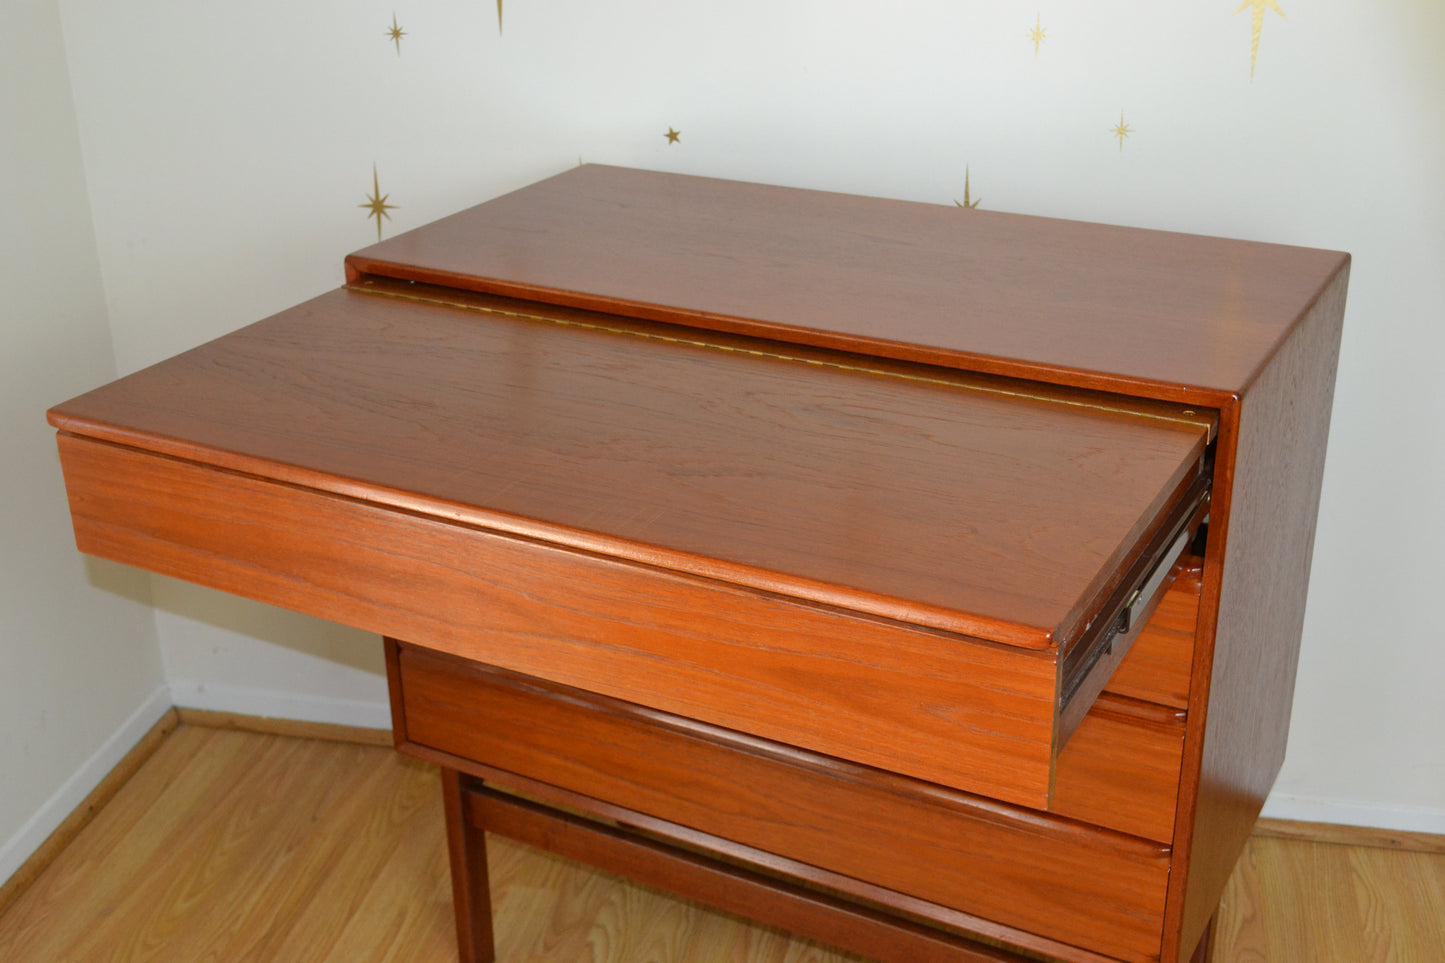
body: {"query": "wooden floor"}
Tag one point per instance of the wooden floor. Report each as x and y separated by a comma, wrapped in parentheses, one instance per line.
(235, 846)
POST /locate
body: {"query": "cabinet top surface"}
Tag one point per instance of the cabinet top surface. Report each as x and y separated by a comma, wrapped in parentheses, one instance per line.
(948, 500)
(1122, 309)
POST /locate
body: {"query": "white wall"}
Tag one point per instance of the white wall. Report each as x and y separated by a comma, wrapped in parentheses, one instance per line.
(80, 674)
(227, 149)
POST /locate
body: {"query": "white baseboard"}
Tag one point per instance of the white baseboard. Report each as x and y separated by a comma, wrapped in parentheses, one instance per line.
(1310, 809)
(270, 704)
(65, 800)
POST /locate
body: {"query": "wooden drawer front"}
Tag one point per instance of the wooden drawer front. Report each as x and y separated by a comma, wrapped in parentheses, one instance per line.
(1157, 666)
(1058, 879)
(1121, 768)
(975, 716)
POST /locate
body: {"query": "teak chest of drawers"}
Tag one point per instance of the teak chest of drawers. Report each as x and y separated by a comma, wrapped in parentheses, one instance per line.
(929, 582)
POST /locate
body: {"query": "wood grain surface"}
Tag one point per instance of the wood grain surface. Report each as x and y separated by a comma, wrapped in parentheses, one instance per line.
(1365, 837)
(1306, 900)
(1104, 890)
(80, 817)
(1121, 768)
(876, 558)
(197, 850)
(954, 505)
(1269, 465)
(1144, 311)
(722, 885)
(940, 706)
(223, 843)
(1158, 665)
(271, 725)
(471, 883)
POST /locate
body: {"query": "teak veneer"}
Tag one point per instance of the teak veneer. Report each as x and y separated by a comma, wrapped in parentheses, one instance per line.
(924, 581)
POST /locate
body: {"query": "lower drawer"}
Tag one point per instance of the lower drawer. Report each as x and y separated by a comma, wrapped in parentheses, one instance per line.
(1121, 769)
(1036, 873)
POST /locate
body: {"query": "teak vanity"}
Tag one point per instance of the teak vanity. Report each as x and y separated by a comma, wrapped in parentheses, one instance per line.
(927, 582)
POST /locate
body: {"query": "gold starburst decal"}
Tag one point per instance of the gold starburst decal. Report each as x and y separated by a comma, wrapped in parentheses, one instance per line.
(376, 204)
(396, 33)
(1121, 130)
(499, 16)
(1037, 34)
(1258, 26)
(672, 135)
(967, 203)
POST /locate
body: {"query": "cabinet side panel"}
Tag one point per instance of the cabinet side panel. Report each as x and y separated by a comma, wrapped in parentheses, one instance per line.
(1283, 423)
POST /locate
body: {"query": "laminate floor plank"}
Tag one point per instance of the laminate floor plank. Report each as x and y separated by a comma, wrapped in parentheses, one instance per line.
(1401, 899)
(1291, 900)
(194, 895)
(236, 846)
(92, 877)
(324, 882)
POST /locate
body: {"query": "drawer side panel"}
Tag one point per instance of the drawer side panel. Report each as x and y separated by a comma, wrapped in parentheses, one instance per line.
(1158, 664)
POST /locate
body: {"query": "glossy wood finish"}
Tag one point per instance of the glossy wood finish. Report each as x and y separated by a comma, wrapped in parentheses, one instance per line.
(817, 610)
(198, 856)
(965, 853)
(721, 885)
(810, 676)
(1256, 577)
(1121, 768)
(1144, 312)
(962, 504)
(471, 894)
(1158, 667)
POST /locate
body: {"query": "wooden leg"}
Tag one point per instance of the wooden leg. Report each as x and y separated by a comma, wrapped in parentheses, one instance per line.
(1205, 950)
(471, 897)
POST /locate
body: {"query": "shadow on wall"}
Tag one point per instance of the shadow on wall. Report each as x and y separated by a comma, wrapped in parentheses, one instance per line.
(234, 616)
(114, 578)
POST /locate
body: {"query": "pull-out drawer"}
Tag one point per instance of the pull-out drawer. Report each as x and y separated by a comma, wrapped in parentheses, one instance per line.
(1038, 875)
(1157, 668)
(973, 715)
(917, 570)
(1121, 768)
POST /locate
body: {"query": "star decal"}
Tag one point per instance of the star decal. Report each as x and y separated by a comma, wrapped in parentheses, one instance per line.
(1121, 130)
(376, 204)
(396, 33)
(1259, 7)
(968, 202)
(1038, 34)
(672, 135)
